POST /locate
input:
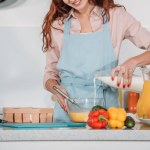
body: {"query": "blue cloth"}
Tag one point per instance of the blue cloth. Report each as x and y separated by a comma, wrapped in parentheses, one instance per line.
(42, 125)
(82, 55)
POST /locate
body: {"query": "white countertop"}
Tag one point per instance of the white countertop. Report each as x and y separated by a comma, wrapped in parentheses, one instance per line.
(140, 132)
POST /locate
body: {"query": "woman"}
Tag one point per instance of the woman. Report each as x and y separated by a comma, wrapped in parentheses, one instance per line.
(81, 37)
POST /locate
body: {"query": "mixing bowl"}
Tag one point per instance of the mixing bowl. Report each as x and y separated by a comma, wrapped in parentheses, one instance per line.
(80, 113)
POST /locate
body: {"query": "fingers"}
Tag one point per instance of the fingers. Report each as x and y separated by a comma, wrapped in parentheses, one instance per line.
(124, 76)
(62, 89)
(114, 70)
(125, 80)
(62, 103)
(120, 75)
(60, 98)
(120, 71)
(130, 74)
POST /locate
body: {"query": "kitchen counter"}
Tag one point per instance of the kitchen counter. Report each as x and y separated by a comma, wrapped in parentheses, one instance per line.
(140, 132)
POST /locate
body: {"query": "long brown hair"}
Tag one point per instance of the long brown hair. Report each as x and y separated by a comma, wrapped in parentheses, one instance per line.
(59, 10)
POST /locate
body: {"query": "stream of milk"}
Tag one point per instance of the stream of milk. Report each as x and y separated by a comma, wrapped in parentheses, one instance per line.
(94, 88)
(102, 101)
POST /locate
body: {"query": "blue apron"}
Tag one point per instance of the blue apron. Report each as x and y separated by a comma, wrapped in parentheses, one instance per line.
(82, 55)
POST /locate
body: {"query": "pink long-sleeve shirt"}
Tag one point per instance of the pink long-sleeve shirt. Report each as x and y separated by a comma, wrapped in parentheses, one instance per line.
(122, 26)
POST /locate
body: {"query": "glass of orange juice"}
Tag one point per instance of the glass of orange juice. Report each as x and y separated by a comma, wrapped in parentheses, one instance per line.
(143, 104)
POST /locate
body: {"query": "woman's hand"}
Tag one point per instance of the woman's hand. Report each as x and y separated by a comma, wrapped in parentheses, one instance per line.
(49, 86)
(60, 98)
(124, 71)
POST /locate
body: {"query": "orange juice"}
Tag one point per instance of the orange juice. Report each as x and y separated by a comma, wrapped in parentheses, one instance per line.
(133, 98)
(143, 104)
(79, 116)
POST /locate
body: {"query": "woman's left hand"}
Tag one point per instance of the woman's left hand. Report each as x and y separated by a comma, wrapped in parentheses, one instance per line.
(124, 71)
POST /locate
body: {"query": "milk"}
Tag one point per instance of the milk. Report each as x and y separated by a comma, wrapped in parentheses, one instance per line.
(136, 85)
(94, 87)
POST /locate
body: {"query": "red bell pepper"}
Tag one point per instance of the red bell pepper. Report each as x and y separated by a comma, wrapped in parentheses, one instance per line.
(98, 119)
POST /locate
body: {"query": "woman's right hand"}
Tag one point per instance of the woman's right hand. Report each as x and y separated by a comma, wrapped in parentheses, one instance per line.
(61, 100)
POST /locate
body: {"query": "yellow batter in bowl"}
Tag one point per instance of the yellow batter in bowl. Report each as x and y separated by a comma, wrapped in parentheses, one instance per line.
(79, 116)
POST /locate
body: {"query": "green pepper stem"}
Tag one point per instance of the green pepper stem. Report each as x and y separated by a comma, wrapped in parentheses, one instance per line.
(101, 118)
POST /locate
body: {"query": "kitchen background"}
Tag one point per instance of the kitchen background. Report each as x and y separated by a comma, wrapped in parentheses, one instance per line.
(22, 61)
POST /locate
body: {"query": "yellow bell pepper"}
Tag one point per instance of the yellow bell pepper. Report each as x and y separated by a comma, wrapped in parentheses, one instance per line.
(117, 116)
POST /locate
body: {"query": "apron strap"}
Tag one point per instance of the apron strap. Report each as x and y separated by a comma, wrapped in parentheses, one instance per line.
(67, 26)
(106, 27)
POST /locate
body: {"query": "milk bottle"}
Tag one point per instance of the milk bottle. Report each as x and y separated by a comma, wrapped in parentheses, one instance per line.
(136, 84)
